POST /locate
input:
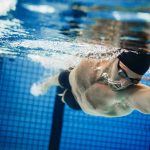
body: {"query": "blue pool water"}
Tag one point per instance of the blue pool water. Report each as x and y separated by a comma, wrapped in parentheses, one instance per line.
(41, 37)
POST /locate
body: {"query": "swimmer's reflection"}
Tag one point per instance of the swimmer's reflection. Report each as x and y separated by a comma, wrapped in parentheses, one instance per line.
(72, 25)
(80, 25)
(134, 35)
(128, 35)
(105, 88)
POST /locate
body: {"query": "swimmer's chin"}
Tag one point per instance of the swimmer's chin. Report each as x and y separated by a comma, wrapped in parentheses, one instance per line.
(38, 90)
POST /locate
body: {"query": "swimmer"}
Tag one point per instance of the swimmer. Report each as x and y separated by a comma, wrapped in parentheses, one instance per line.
(128, 69)
(103, 88)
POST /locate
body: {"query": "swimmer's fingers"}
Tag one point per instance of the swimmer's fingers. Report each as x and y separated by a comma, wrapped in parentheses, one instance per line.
(40, 88)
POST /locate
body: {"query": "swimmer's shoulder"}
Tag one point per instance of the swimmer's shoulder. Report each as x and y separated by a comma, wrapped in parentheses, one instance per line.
(96, 62)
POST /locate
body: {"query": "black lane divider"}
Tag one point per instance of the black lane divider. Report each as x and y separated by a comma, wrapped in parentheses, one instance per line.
(57, 122)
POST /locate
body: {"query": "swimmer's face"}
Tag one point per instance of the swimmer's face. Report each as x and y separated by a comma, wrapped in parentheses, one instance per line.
(122, 76)
(126, 73)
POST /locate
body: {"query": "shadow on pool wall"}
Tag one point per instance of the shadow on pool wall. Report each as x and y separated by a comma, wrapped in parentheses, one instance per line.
(28, 122)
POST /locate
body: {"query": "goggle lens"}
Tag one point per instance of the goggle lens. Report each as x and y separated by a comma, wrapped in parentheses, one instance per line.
(122, 73)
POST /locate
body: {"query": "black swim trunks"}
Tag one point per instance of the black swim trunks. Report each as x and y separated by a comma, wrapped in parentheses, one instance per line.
(68, 96)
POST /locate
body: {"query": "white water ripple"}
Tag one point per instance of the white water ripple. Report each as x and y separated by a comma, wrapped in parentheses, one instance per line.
(6, 6)
(67, 48)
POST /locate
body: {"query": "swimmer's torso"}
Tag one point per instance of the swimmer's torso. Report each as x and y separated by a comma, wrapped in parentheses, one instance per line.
(94, 97)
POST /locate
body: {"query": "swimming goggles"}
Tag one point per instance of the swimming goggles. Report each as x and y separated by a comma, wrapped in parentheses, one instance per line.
(122, 73)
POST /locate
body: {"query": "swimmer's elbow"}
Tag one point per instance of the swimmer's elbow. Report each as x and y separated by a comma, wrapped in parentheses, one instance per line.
(143, 106)
(144, 111)
(118, 114)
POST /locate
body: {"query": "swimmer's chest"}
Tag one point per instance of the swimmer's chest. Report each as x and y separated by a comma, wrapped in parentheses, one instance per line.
(86, 73)
(102, 99)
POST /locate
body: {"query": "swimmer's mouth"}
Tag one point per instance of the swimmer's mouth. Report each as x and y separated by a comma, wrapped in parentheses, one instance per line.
(114, 85)
(118, 85)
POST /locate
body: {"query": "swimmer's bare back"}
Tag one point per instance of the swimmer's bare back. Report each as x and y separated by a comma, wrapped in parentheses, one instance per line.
(98, 99)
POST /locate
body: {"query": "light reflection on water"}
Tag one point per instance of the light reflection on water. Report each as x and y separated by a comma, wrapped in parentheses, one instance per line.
(6, 6)
(50, 29)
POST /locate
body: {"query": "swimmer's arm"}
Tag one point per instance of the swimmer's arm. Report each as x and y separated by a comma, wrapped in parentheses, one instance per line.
(102, 101)
(119, 110)
(137, 98)
(140, 98)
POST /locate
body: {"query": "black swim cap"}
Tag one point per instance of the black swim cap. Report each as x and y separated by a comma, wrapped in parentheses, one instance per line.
(137, 62)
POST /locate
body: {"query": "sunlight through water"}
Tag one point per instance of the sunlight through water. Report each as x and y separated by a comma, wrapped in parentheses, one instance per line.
(6, 6)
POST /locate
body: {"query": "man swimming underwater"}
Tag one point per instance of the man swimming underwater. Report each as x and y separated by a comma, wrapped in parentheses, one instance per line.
(103, 88)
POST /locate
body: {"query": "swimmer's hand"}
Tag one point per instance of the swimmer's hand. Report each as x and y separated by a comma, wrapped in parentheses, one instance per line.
(41, 88)
(38, 89)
